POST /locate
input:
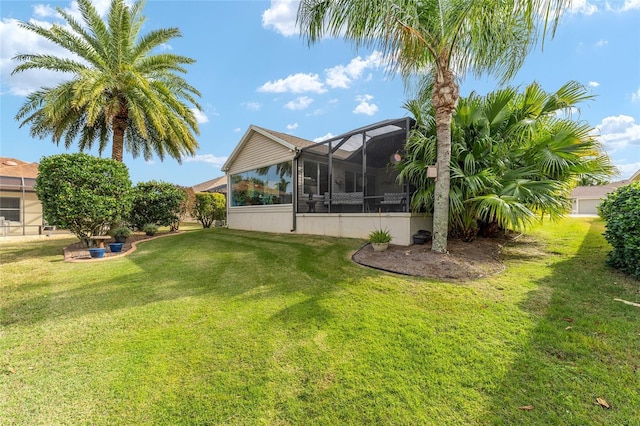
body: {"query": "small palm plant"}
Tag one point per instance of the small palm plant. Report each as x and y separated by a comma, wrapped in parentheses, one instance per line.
(380, 236)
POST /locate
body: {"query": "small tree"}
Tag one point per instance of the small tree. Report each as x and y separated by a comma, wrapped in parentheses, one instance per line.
(621, 211)
(82, 193)
(209, 206)
(156, 202)
(185, 207)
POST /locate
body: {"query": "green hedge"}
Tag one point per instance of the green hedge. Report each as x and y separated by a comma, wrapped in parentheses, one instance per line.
(621, 211)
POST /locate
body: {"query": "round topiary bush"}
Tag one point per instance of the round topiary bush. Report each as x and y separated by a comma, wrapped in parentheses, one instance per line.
(621, 212)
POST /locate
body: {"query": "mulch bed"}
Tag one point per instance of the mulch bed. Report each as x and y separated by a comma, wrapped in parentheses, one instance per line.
(465, 260)
(79, 252)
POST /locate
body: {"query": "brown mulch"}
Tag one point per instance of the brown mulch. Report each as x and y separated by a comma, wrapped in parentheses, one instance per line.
(79, 252)
(465, 260)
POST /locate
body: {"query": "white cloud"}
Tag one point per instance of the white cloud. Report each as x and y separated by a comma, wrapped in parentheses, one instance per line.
(630, 5)
(237, 129)
(601, 43)
(584, 7)
(635, 97)
(295, 83)
(206, 158)
(302, 102)
(281, 17)
(627, 170)
(252, 106)
(341, 76)
(324, 138)
(292, 126)
(201, 117)
(364, 107)
(619, 132)
(594, 84)
(15, 40)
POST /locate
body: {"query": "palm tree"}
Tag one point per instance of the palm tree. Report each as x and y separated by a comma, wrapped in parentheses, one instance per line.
(515, 157)
(118, 90)
(438, 42)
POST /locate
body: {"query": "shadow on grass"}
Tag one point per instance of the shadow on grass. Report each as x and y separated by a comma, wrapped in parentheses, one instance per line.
(236, 266)
(581, 347)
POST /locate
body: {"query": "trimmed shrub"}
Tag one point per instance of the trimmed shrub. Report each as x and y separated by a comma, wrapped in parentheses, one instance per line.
(82, 193)
(621, 212)
(209, 206)
(156, 202)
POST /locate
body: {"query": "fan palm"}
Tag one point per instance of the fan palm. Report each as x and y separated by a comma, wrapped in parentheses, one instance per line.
(118, 90)
(437, 41)
(514, 157)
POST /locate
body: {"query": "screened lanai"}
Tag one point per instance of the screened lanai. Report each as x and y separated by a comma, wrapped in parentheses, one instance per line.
(355, 172)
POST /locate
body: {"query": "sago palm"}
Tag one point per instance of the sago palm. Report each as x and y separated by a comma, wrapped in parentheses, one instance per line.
(118, 90)
(439, 42)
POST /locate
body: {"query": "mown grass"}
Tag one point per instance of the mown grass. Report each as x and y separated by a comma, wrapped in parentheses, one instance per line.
(227, 327)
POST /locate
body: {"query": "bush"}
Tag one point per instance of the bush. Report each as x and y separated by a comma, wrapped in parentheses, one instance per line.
(186, 206)
(210, 206)
(621, 212)
(82, 193)
(150, 229)
(156, 202)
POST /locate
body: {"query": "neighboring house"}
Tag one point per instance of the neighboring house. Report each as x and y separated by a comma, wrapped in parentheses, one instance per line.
(20, 209)
(345, 186)
(586, 199)
(218, 184)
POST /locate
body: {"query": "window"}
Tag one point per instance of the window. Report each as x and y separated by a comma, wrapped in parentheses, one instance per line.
(353, 181)
(263, 186)
(10, 208)
(316, 178)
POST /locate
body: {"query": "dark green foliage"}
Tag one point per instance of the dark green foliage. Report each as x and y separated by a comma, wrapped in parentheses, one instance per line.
(156, 202)
(621, 211)
(209, 206)
(514, 158)
(82, 193)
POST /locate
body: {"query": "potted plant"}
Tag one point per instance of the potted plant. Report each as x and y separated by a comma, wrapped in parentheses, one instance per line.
(150, 229)
(380, 239)
(120, 234)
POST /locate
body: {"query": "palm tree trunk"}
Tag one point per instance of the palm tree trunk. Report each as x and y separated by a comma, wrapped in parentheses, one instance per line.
(117, 146)
(445, 98)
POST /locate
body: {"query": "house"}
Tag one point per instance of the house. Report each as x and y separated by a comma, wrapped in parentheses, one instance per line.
(218, 184)
(20, 209)
(586, 199)
(345, 186)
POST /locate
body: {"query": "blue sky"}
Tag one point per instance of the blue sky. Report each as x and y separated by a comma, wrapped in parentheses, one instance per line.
(253, 68)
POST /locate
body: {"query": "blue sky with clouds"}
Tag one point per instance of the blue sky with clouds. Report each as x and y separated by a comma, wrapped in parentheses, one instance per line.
(253, 68)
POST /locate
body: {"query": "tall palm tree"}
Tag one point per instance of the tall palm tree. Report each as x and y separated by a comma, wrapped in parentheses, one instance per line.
(118, 89)
(439, 42)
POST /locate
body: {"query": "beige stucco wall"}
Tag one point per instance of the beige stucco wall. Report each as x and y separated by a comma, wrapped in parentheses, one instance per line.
(272, 218)
(358, 225)
(32, 209)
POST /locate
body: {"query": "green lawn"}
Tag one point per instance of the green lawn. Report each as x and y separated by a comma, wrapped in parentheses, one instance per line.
(227, 327)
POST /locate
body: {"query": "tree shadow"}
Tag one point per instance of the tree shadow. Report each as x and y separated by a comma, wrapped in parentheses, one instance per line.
(228, 265)
(573, 355)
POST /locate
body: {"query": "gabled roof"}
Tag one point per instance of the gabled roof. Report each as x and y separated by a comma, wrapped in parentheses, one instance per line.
(214, 185)
(12, 167)
(290, 142)
(597, 191)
